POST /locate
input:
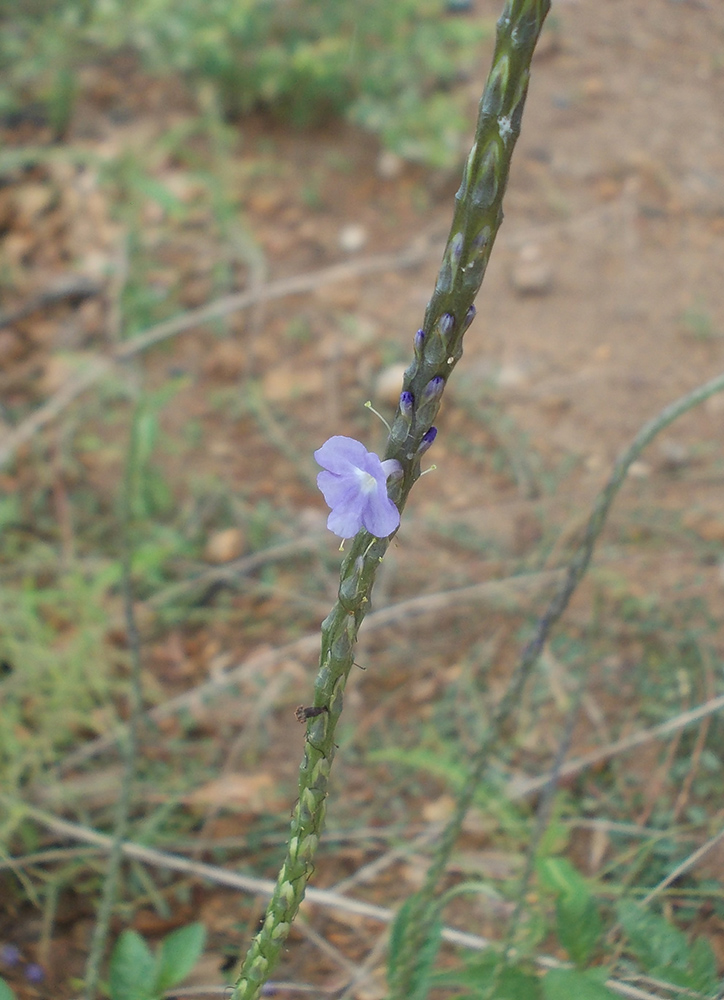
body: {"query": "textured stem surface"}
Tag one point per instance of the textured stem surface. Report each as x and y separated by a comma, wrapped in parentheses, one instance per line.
(437, 349)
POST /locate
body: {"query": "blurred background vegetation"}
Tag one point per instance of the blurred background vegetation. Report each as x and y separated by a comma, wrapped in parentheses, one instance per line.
(389, 67)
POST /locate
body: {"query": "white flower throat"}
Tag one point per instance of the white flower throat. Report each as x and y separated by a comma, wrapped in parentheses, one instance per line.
(367, 482)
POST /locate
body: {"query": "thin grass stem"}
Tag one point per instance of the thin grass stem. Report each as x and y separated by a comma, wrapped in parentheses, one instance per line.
(423, 911)
(110, 883)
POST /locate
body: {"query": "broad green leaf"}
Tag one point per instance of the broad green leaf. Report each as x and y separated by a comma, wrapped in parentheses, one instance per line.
(470, 974)
(579, 928)
(514, 983)
(131, 972)
(574, 984)
(178, 954)
(426, 955)
(578, 921)
(652, 939)
(5, 992)
(702, 963)
(560, 877)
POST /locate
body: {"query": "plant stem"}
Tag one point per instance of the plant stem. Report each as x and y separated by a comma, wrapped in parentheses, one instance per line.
(422, 914)
(110, 885)
(438, 347)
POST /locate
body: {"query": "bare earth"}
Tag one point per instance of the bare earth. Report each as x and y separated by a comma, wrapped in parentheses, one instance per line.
(603, 302)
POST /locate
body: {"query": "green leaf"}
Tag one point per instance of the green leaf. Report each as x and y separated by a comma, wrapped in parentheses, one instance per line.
(560, 877)
(419, 981)
(652, 939)
(578, 925)
(179, 953)
(5, 992)
(131, 972)
(578, 921)
(702, 962)
(146, 431)
(574, 984)
(514, 983)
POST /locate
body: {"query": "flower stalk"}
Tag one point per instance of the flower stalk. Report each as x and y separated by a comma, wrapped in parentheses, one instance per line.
(438, 347)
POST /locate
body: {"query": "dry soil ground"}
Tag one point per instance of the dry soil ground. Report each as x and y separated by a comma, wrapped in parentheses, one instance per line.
(603, 302)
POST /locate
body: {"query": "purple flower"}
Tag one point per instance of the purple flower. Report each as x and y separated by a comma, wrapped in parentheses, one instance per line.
(34, 973)
(355, 487)
(9, 954)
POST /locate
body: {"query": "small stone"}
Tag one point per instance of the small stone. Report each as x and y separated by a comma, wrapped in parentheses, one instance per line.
(511, 377)
(389, 165)
(388, 384)
(531, 274)
(674, 455)
(639, 470)
(352, 238)
(439, 810)
(223, 546)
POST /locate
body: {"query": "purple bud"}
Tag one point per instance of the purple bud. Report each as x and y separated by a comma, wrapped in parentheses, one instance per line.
(469, 316)
(427, 440)
(34, 973)
(456, 246)
(406, 403)
(9, 954)
(419, 341)
(447, 322)
(482, 239)
(433, 389)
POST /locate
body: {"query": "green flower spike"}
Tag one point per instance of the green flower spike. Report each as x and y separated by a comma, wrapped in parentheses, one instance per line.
(438, 348)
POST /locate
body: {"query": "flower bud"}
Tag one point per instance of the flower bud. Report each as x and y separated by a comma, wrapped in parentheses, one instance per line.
(446, 324)
(456, 247)
(469, 317)
(419, 341)
(406, 403)
(434, 389)
(426, 442)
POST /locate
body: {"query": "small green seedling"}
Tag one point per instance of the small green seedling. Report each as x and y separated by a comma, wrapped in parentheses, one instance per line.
(136, 973)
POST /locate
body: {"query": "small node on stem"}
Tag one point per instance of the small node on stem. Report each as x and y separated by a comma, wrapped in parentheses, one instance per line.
(301, 714)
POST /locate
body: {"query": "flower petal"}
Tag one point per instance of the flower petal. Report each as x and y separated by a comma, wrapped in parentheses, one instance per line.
(391, 467)
(338, 489)
(380, 516)
(338, 453)
(345, 520)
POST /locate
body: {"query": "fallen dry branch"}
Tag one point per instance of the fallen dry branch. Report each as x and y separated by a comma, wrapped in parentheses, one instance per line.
(265, 887)
(506, 593)
(518, 788)
(52, 408)
(69, 286)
